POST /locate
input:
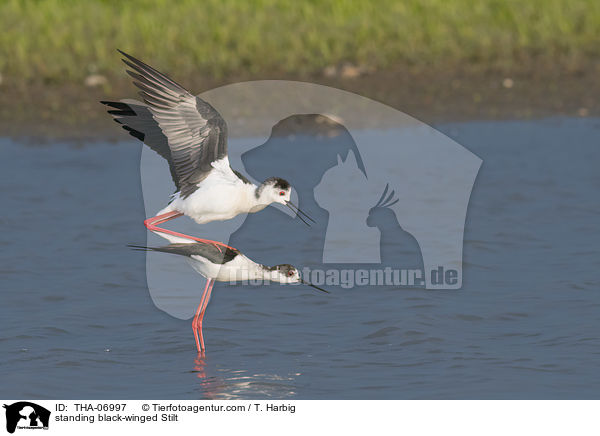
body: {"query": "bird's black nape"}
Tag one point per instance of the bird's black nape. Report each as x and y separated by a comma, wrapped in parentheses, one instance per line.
(278, 183)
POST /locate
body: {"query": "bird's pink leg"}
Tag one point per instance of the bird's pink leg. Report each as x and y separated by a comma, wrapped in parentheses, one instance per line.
(202, 313)
(159, 219)
(197, 322)
(151, 224)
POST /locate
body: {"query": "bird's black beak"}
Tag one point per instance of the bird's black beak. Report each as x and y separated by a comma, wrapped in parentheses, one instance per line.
(313, 286)
(299, 213)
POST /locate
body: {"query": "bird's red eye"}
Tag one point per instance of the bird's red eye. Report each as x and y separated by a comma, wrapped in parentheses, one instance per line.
(290, 273)
(281, 193)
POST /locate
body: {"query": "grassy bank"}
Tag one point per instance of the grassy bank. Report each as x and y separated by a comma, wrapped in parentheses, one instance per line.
(58, 41)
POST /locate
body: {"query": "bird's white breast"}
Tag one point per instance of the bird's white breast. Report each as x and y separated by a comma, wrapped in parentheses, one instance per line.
(221, 196)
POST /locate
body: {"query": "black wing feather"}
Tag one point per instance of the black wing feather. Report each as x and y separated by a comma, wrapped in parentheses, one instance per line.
(194, 134)
(209, 251)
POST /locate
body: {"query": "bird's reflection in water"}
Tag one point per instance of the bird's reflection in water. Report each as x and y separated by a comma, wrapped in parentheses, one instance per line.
(209, 385)
(239, 384)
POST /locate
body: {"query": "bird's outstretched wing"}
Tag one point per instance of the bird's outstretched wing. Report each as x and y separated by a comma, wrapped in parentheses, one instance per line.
(182, 128)
(135, 117)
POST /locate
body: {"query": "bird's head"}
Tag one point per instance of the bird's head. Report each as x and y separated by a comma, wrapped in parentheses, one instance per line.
(275, 190)
(286, 273)
(278, 190)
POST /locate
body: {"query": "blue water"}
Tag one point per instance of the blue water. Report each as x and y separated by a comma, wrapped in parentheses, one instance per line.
(78, 322)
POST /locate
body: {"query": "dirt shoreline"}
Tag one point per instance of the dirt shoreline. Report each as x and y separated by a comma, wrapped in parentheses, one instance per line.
(72, 112)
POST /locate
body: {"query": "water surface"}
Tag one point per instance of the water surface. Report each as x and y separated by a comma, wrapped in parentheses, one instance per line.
(78, 322)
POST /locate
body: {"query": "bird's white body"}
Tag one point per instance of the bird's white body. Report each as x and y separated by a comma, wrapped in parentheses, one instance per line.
(240, 269)
(219, 197)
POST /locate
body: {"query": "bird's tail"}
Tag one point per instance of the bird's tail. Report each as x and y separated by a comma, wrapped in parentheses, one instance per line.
(184, 249)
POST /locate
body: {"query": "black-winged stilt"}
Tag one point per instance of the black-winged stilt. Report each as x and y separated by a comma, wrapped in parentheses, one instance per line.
(222, 265)
(192, 136)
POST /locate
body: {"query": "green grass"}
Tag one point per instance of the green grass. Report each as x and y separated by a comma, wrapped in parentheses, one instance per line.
(64, 40)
